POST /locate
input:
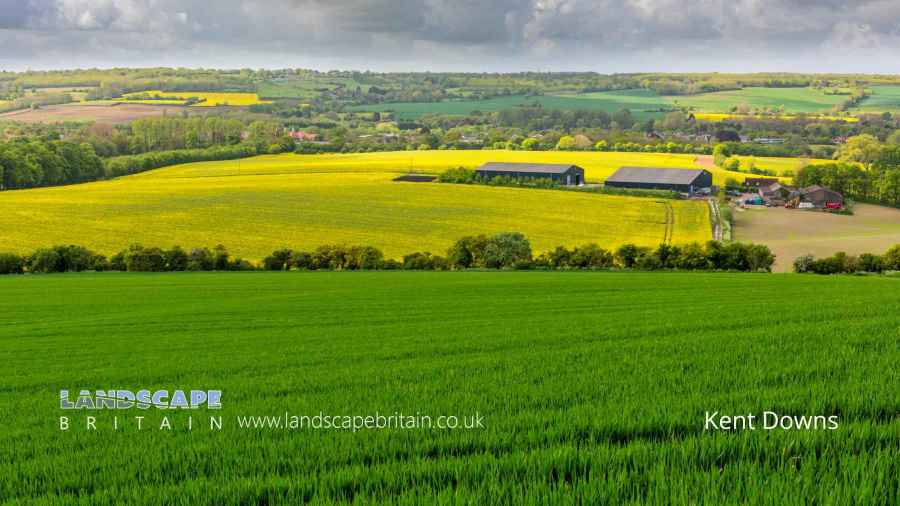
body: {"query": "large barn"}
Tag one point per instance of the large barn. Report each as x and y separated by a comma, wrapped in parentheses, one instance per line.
(650, 178)
(570, 175)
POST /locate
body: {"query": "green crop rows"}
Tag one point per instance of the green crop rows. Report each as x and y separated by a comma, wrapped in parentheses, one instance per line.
(593, 386)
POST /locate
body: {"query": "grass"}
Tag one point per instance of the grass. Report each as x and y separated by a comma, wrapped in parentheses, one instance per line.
(881, 99)
(257, 205)
(307, 88)
(211, 99)
(794, 100)
(593, 387)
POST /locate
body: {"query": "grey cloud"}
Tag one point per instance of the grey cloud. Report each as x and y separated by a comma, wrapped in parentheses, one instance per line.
(604, 35)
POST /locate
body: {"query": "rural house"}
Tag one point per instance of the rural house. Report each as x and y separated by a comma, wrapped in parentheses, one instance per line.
(569, 175)
(818, 197)
(301, 136)
(649, 178)
(759, 182)
(776, 193)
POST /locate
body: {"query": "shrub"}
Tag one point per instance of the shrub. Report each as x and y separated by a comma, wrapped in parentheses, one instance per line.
(459, 175)
(589, 256)
(891, 259)
(279, 260)
(868, 262)
(628, 254)
(11, 263)
(176, 259)
(45, 260)
(140, 259)
(302, 260)
(423, 262)
(804, 264)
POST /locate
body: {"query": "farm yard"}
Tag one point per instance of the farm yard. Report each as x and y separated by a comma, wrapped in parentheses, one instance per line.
(592, 386)
(792, 233)
(99, 113)
(257, 205)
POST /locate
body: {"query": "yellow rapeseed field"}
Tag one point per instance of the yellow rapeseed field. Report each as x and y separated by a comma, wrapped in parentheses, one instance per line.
(254, 206)
(598, 165)
(721, 116)
(211, 99)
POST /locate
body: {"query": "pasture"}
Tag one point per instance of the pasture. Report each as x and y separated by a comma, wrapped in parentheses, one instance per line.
(642, 103)
(881, 99)
(791, 233)
(210, 99)
(794, 100)
(593, 387)
(257, 205)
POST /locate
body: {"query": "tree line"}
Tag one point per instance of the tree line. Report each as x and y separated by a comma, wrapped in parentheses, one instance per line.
(28, 164)
(508, 251)
(842, 263)
(157, 142)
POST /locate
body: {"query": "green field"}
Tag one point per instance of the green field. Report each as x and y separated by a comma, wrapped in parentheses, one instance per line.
(642, 103)
(257, 205)
(306, 88)
(881, 99)
(593, 387)
(793, 99)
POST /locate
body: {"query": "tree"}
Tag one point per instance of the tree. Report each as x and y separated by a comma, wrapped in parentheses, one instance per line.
(601, 146)
(894, 138)
(891, 259)
(566, 143)
(279, 260)
(721, 152)
(628, 254)
(530, 144)
(506, 250)
(45, 260)
(864, 149)
(11, 264)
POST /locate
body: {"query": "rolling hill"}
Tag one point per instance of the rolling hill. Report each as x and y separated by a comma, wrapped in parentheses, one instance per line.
(256, 205)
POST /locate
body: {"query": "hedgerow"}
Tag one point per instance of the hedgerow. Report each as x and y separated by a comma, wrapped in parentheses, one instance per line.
(505, 251)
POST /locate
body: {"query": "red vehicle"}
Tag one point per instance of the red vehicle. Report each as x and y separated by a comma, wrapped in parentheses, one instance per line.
(832, 205)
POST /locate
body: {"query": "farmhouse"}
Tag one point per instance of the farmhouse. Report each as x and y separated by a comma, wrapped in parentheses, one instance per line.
(759, 182)
(776, 193)
(649, 178)
(569, 175)
(818, 197)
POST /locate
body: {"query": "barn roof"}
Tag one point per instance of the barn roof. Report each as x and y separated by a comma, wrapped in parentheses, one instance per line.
(540, 168)
(655, 175)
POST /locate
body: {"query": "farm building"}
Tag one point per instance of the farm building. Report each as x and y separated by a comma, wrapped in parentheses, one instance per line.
(816, 196)
(649, 178)
(569, 175)
(776, 193)
(759, 182)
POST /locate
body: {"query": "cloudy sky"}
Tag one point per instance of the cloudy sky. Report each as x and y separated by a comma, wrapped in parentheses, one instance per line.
(461, 35)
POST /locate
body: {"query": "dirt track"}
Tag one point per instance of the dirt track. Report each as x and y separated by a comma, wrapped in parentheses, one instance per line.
(791, 233)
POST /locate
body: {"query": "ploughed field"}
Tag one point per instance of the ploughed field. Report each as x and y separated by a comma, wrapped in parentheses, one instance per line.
(791, 233)
(257, 205)
(592, 385)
